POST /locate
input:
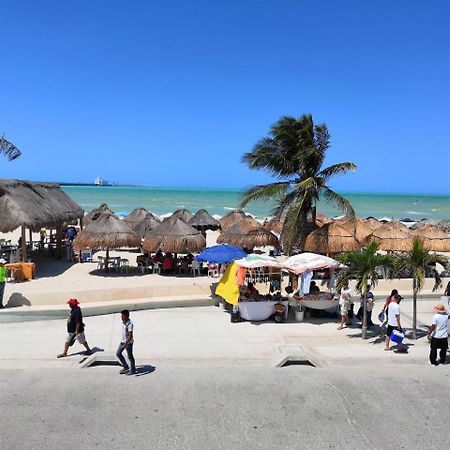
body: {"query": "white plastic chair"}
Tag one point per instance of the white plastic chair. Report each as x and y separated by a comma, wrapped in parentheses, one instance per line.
(195, 268)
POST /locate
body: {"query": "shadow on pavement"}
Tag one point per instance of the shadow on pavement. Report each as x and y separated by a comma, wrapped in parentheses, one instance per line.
(144, 370)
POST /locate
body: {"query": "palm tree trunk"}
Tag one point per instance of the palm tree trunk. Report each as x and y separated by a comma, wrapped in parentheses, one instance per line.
(364, 324)
(415, 313)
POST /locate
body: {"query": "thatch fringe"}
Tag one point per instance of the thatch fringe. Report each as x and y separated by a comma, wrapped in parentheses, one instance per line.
(331, 238)
(35, 205)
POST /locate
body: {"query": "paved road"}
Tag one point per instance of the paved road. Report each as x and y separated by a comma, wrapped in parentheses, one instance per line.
(226, 408)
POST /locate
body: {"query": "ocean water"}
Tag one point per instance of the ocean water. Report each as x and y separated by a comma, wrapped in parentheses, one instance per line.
(162, 201)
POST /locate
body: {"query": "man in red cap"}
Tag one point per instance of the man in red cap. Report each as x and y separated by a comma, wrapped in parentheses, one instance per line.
(75, 328)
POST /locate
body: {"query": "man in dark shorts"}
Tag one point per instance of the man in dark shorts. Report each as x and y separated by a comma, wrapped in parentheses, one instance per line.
(394, 321)
(75, 328)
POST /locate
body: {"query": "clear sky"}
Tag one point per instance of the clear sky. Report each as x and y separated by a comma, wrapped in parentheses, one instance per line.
(172, 93)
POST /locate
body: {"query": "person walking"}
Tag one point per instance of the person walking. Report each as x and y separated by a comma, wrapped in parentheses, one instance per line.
(126, 344)
(394, 321)
(370, 301)
(75, 328)
(438, 335)
(3, 273)
(385, 310)
(344, 306)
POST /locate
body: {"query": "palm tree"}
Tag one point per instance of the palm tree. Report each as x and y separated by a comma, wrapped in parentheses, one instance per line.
(294, 152)
(363, 266)
(8, 149)
(418, 261)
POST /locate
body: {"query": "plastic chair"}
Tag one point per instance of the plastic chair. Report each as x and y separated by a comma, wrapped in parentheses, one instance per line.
(195, 268)
(157, 268)
(101, 263)
(124, 265)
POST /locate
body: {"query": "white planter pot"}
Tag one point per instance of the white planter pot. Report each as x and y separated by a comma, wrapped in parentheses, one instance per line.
(299, 316)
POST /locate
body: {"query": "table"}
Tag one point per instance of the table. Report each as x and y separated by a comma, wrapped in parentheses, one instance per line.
(260, 310)
(23, 270)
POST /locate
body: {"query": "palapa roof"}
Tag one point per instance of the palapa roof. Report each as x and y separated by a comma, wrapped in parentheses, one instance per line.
(184, 214)
(103, 208)
(107, 231)
(331, 238)
(248, 233)
(142, 221)
(175, 236)
(444, 225)
(35, 205)
(392, 236)
(231, 218)
(204, 221)
(433, 238)
(359, 228)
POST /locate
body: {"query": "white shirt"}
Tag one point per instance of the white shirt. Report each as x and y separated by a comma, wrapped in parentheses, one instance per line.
(127, 328)
(345, 297)
(441, 322)
(393, 311)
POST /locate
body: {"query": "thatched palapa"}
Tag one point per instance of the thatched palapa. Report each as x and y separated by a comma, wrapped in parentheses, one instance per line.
(35, 205)
(331, 238)
(176, 236)
(95, 213)
(203, 221)
(433, 238)
(231, 218)
(392, 236)
(444, 225)
(107, 231)
(359, 228)
(142, 221)
(248, 233)
(184, 214)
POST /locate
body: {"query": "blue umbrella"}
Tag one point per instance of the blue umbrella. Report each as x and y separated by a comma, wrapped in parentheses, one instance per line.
(221, 254)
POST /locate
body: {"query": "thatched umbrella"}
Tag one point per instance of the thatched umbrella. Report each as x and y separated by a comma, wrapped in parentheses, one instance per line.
(231, 218)
(275, 224)
(248, 233)
(106, 231)
(95, 213)
(203, 221)
(184, 214)
(174, 235)
(360, 228)
(331, 238)
(392, 236)
(444, 225)
(142, 221)
(434, 238)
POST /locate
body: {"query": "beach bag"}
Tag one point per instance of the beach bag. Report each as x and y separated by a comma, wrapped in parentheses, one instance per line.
(381, 316)
(397, 336)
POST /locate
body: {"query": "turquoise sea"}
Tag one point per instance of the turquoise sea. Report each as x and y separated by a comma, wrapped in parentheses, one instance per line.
(164, 200)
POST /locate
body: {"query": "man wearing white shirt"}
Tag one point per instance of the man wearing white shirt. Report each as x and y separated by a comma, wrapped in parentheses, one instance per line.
(438, 335)
(393, 321)
(126, 344)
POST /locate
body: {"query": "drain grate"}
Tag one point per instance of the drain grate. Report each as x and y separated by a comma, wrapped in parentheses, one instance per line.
(297, 362)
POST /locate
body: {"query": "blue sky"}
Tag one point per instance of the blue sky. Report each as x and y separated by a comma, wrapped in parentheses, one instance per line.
(172, 93)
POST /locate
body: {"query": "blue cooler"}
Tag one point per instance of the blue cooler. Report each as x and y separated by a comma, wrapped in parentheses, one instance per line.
(397, 337)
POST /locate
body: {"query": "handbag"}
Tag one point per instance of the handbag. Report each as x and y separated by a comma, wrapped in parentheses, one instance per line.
(381, 316)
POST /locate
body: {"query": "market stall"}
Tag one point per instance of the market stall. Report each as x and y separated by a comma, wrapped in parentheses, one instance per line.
(251, 304)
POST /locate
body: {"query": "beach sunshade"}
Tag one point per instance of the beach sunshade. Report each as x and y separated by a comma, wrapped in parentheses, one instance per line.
(331, 238)
(174, 235)
(221, 254)
(184, 214)
(95, 213)
(433, 238)
(444, 225)
(35, 205)
(275, 224)
(392, 236)
(203, 221)
(309, 261)
(254, 261)
(359, 228)
(106, 231)
(142, 221)
(248, 233)
(231, 218)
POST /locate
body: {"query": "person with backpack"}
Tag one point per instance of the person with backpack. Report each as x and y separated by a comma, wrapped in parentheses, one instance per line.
(75, 328)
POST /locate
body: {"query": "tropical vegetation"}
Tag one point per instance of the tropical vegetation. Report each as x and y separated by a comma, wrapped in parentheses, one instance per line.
(8, 149)
(363, 266)
(294, 153)
(419, 261)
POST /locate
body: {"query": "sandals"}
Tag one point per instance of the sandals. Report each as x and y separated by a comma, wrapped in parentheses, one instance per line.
(61, 355)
